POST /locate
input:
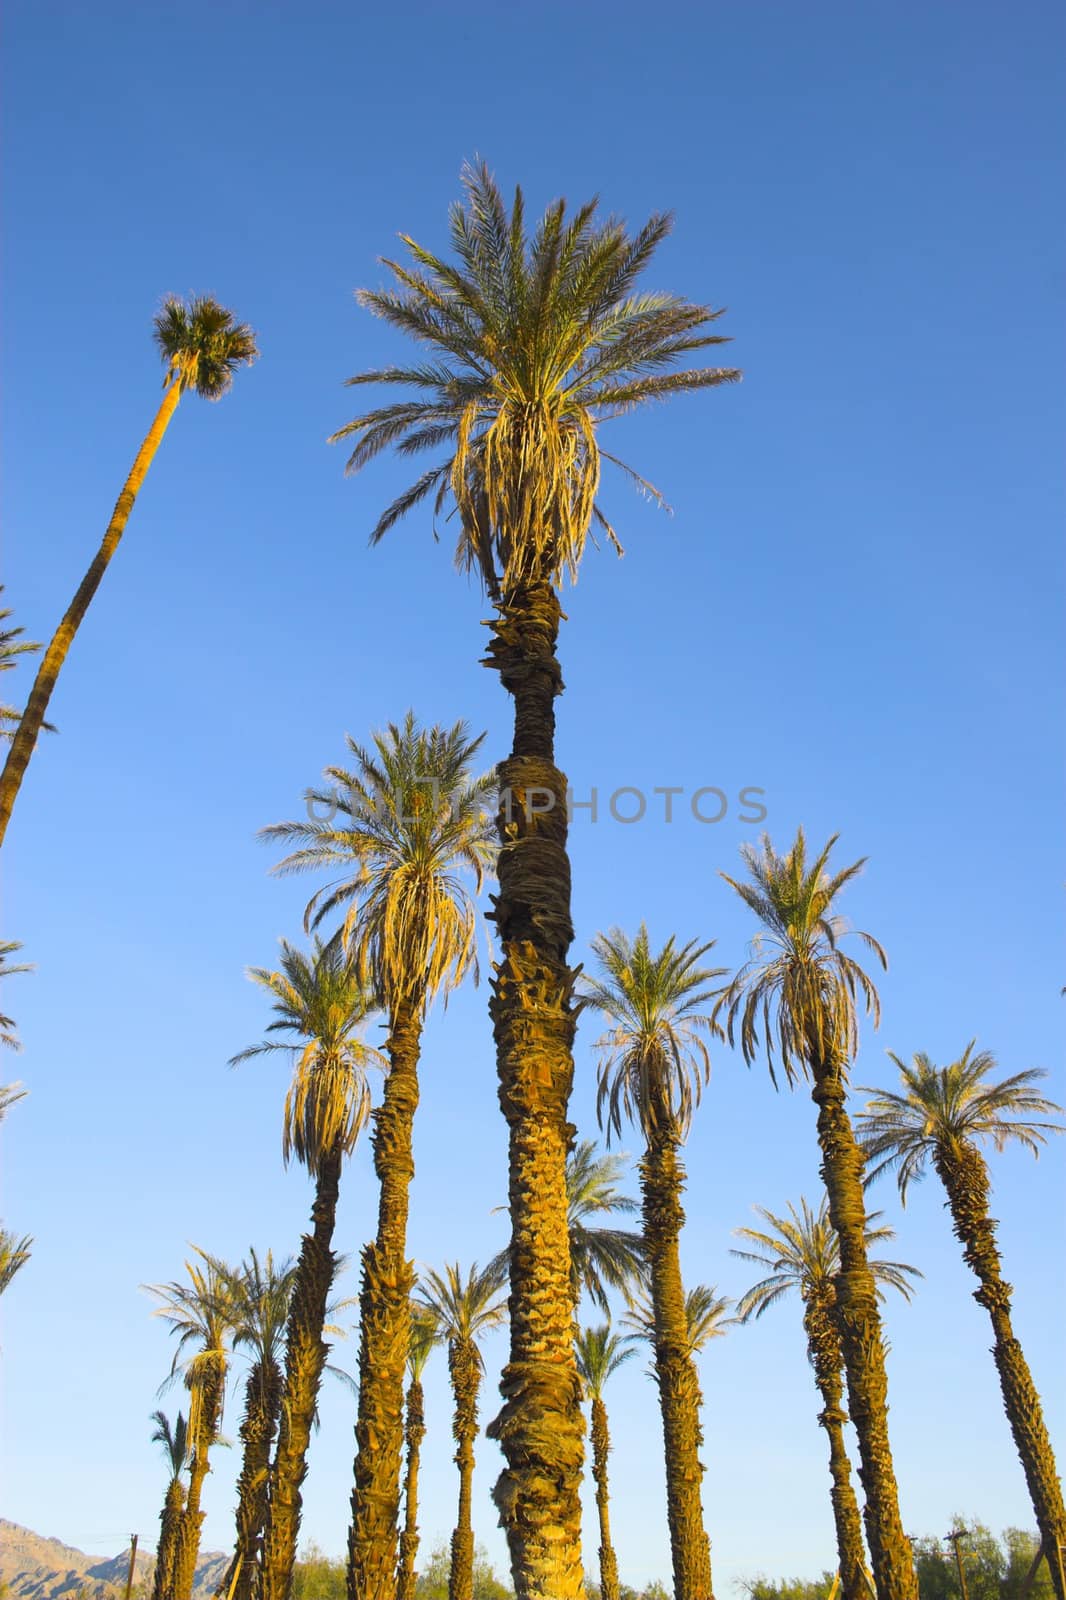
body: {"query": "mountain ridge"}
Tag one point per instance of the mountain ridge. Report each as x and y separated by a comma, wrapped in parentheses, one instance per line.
(36, 1567)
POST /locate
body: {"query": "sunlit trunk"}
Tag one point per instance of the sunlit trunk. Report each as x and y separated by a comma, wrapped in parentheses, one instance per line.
(823, 1344)
(601, 1448)
(262, 1405)
(465, 1370)
(414, 1433)
(204, 1415)
(169, 1533)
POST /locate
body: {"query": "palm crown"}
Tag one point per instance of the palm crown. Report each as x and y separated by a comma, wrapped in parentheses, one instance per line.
(798, 986)
(654, 1060)
(412, 818)
(950, 1106)
(706, 1317)
(201, 1313)
(323, 1000)
(600, 1352)
(175, 1441)
(463, 1308)
(424, 1337)
(202, 345)
(801, 1254)
(260, 1292)
(534, 341)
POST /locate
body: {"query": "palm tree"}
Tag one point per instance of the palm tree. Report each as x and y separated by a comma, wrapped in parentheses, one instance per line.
(600, 1353)
(201, 1313)
(413, 824)
(175, 1444)
(942, 1117)
(8, 1036)
(14, 1254)
(798, 996)
(201, 346)
(463, 1309)
(424, 1338)
(11, 647)
(706, 1318)
(800, 1254)
(653, 1063)
(323, 1000)
(534, 343)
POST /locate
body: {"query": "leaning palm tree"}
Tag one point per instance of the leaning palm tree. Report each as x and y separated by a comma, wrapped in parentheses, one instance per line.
(425, 1336)
(653, 1063)
(201, 346)
(800, 1254)
(534, 342)
(942, 1117)
(201, 1313)
(323, 1001)
(175, 1442)
(14, 1254)
(413, 826)
(463, 1309)
(798, 996)
(8, 1037)
(600, 1353)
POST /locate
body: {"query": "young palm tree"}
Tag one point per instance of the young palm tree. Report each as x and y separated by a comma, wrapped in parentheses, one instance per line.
(413, 824)
(14, 1254)
(941, 1118)
(201, 346)
(8, 1037)
(201, 1313)
(653, 1064)
(800, 1254)
(798, 996)
(534, 342)
(175, 1444)
(464, 1309)
(600, 1353)
(424, 1338)
(323, 1000)
(11, 647)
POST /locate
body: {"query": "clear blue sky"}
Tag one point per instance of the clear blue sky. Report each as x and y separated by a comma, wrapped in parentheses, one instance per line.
(856, 606)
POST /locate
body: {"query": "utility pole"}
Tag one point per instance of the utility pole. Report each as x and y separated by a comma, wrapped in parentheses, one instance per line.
(955, 1538)
(133, 1558)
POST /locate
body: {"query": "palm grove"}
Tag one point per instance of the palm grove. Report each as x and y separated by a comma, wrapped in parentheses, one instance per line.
(532, 339)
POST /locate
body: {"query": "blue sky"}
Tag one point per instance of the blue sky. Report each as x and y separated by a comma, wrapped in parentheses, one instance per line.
(855, 606)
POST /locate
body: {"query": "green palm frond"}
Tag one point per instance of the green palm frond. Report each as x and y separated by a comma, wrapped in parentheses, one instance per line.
(951, 1106)
(799, 994)
(11, 647)
(535, 340)
(259, 1291)
(175, 1441)
(8, 1036)
(202, 344)
(462, 1307)
(600, 1353)
(202, 1313)
(706, 1317)
(14, 1254)
(10, 1094)
(424, 1339)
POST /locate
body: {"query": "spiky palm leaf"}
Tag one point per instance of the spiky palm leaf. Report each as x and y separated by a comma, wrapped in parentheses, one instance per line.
(14, 1254)
(201, 1313)
(462, 1307)
(425, 1337)
(8, 1037)
(600, 1353)
(801, 1255)
(706, 1317)
(175, 1441)
(203, 344)
(11, 647)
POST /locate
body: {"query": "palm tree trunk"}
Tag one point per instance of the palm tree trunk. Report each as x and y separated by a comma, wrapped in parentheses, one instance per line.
(169, 1531)
(305, 1357)
(540, 1425)
(29, 728)
(965, 1178)
(823, 1345)
(385, 1325)
(465, 1369)
(207, 1413)
(662, 1180)
(262, 1406)
(415, 1432)
(601, 1446)
(859, 1326)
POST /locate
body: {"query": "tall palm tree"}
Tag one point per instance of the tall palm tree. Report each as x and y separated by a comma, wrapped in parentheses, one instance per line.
(424, 1339)
(464, 1309)
(8, 1037)
(534, 342)
(413, 826)
(14, 1254)
(201, 347)
(798, 996)
(653, 1063)
(323, 1001)
(942, 1117)
(11, 647)
(261, 1294)
(175, 1442)
(600, 1353)
(201, 1313)
(800, 1254)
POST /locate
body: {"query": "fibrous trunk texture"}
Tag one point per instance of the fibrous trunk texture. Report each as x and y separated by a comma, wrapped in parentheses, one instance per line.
(965, 1178)
(32, 719)
(209, 1412)
(262, 1405)
(601, 1447)
(169, 1531)
(858, 1323)
(823, 1345)
(662, 1182)
(385, 1325)
(305, 1357)
(414, 1433)
(465, 1370)
(540, 1426)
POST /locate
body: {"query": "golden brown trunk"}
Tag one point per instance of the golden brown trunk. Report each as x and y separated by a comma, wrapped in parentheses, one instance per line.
(385, 1325)
(540, 1427)
(465, 1370)
(601, 1449)
(305, 1357)
(859, 1326)
(823, 1346)
(414, 1433)
(262, 1405)
(32, 719)
(662, 1182)
(965, 1178)
(169, 1531)
(209, 1412)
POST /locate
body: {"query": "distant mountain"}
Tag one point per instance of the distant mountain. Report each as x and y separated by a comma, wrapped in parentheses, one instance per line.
(35, 1568)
